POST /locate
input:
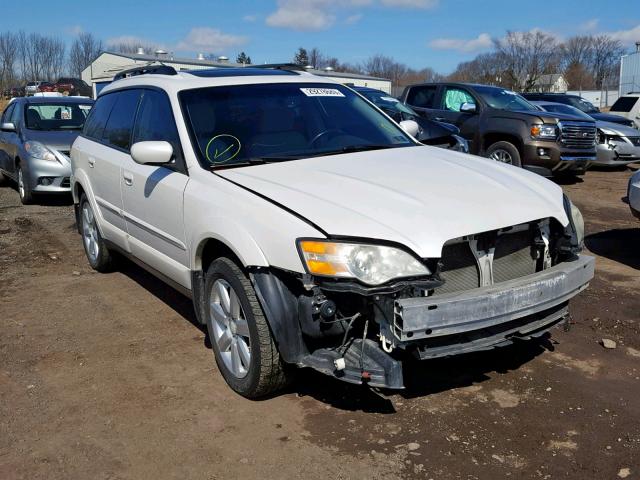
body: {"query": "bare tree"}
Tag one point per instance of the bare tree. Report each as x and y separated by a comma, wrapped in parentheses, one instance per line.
(316, 58)
(605, 60)
(526, 57)
(83, 50)
(8, 58)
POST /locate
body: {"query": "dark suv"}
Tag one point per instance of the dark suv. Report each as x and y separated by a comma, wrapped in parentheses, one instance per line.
(580, 103)
(502, 125)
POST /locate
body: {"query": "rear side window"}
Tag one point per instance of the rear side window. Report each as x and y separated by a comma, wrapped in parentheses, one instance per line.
(117, 132)
(155, 120)
(624, 104)
(423, 97)
(94, 126)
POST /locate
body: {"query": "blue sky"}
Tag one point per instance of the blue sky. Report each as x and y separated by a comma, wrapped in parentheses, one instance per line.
(420, 33)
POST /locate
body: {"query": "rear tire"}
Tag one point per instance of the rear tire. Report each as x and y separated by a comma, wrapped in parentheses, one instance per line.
(243, 345)
(504, 152)
(98, 254)
(24, 188)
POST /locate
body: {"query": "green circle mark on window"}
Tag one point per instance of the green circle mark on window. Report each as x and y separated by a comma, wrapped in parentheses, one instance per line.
(222, 148)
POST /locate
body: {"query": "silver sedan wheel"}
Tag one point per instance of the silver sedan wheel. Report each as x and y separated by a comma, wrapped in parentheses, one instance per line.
(90, 233)
(500, 155)
(20, 183)
(230, 328)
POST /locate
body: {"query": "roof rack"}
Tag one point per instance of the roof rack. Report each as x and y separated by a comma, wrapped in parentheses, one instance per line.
(147, 69)
(281, 66)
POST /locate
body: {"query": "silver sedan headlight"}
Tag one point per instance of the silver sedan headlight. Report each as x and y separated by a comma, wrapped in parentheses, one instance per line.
(370, 264)
(39, 151)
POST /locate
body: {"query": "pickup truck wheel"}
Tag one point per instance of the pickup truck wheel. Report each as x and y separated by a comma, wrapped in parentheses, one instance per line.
(504, 152)
(243, 346)
(24, 189)
(98, 254)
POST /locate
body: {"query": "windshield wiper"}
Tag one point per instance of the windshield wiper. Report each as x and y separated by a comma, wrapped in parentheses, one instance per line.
(353, 149)
(247, 162)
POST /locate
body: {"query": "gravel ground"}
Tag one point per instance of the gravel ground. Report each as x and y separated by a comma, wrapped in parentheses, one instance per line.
(110, 377)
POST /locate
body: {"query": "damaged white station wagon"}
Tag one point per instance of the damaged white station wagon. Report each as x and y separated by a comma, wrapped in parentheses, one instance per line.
(312, 231)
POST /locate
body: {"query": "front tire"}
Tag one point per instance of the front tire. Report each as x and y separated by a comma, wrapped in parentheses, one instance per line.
(24, 188)
(242, 342)
(98, 254)
(504, 152)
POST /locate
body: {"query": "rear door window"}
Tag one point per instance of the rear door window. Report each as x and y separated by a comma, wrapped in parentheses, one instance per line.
(422, 96)
(117, 131)
(94, 126)
(624, 104)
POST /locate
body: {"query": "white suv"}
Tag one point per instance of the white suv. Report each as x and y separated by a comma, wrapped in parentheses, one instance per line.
(312, 231)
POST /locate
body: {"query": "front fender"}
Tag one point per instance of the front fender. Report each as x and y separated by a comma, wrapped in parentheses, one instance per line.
(231, 234)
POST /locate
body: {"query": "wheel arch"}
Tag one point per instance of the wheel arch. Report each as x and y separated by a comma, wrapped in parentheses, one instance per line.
(493, 137)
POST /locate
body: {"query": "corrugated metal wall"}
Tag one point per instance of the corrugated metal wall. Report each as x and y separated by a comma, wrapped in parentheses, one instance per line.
(630, 73)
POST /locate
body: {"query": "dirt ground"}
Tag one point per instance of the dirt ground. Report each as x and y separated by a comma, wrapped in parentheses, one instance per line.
(109, 377)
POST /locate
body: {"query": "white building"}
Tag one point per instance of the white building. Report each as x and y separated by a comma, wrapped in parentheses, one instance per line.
(551, 83)
(630, 72)
(107, 65)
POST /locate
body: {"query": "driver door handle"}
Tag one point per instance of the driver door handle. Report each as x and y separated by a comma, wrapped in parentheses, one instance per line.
(128, 178)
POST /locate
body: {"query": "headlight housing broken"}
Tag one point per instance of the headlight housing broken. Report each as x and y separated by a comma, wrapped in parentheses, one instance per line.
(368, 263)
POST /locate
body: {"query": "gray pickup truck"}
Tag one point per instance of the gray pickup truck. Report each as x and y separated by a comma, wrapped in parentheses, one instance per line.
(502, 125)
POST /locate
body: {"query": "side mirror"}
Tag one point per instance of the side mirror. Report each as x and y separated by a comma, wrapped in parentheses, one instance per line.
(152, 153)
(8, 127)
(468, 107)
(411, 127)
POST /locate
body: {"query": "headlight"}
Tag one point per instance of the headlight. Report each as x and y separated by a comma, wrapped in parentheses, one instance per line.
(371, 264)
(544, 131)
(38, 150)
(576, 220)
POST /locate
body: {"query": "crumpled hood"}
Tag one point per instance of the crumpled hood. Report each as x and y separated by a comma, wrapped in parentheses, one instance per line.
(619, 129)
(417, 196)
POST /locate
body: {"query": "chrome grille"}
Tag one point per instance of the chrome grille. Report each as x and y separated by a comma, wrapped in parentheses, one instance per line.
(577, 134)
(635, 141)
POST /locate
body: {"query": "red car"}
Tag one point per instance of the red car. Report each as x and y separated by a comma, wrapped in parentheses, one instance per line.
(46, 87)
(72, 86)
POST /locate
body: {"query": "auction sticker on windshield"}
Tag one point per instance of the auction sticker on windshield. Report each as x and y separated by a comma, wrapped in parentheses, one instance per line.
(322, 92)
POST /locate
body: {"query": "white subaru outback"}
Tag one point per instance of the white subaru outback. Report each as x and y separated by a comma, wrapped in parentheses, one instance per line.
(312, 231)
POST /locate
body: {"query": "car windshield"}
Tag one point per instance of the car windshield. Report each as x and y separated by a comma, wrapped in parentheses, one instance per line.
(568, 109)
(56, 116)
(243, 124)
(502, 99)
(583, 105)
(385, 102)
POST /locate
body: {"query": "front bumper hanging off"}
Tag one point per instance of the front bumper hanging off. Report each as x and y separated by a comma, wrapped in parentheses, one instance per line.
(461, 322)
(486, 317)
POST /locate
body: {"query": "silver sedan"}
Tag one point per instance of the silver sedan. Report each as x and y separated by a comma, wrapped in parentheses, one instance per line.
(36, 134)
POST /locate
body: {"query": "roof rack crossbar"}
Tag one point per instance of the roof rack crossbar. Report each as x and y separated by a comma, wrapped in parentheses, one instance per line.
(281, 66)
(145, 70)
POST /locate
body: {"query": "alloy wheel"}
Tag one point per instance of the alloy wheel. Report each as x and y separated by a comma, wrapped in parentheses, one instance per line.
(230, 328)
(502, 156)
(20, 183)
(90, 233)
